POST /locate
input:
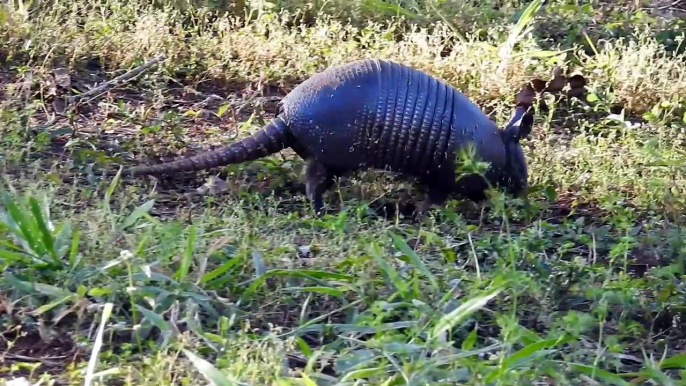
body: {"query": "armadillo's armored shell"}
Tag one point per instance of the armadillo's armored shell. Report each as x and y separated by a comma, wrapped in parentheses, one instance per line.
(385, 115)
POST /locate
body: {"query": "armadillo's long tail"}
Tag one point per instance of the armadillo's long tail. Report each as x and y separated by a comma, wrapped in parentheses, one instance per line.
(272, 138)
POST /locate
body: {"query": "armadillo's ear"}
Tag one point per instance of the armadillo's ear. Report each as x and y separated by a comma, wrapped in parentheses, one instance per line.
(520, 124)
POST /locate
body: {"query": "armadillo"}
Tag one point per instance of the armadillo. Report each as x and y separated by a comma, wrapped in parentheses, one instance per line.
(383, 115)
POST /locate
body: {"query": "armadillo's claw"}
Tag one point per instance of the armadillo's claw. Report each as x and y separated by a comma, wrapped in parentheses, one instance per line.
(422, 209)
(319, 206)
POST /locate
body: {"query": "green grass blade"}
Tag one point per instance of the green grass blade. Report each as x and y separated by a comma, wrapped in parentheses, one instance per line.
(51, 290)
(398, 282)
(110, 190)
(516, 31)
(380, 6)
(416, 260)
(137, 214)
(187, 258)
(525, 352)
(222, 269)
(74, 249)
(676, 361)
(314, 275)
(47, 307)
(208, 371)
(17, 215)
(155, 319)
(462, 312)
(17, 257)
(17, 284)
(46, 235)
(606, 376)
(320, 289)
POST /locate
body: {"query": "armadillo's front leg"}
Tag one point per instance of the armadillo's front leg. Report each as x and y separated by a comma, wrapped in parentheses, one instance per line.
(318, 179)
(436, 196)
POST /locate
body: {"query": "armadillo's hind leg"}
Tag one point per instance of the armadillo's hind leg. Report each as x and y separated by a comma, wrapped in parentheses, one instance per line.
(318, 179)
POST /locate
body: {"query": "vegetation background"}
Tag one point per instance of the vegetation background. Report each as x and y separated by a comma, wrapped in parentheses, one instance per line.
(115, 281)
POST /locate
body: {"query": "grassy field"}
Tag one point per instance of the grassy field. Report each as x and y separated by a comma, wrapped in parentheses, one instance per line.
(122, 281)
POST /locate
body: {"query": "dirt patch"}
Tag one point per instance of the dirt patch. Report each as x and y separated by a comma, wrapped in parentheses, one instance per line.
(52, 356)
(668, 8)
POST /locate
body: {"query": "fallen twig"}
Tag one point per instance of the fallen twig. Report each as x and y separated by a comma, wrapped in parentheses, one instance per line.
(118, 80)
(50, 361)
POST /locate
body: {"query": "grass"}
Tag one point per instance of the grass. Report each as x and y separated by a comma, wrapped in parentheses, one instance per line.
(142, 282)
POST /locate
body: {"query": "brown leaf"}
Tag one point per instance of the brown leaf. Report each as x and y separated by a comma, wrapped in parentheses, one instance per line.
(218, 244)
(62, 77)
(577, 84)
(51, 86)
(558, 82)
(59, 106)
(526, 95)
(215, 185)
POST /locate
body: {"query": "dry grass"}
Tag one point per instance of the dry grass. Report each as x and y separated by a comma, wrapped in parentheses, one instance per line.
(640, 72)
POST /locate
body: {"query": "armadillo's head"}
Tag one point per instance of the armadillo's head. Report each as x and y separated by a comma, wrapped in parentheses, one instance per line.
(515, 174)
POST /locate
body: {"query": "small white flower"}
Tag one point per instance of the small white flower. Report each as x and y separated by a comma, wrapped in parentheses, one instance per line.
(125, 254)
(19, 382)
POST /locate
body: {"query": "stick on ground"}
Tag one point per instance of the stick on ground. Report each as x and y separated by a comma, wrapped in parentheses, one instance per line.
(118, 80)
